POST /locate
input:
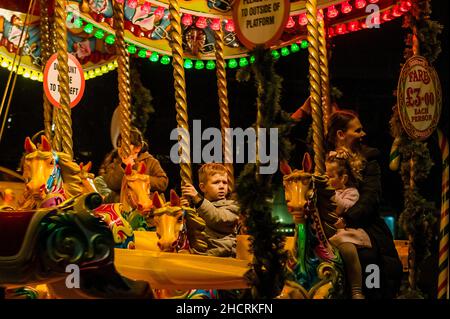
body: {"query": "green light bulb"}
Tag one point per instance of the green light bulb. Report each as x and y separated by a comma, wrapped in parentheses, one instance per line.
(188, 64)
(154, 57)
(243, 62)
(99, 34)
(199, 64)
(88, 28)
(142, 53)
(295, 48)
(110, 39)
(78, 22)
(252, 59)
(132, 49)
(165, 60)
(276, 54)
(285, 51)
(232, 63)
(304, 44)
(210, 65)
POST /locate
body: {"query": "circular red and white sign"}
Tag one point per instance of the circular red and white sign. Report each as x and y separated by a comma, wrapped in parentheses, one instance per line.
(419, 98)
(260, 22)
(76, 80)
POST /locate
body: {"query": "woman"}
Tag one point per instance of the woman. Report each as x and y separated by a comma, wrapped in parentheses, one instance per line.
(345, 131)
(113, 167)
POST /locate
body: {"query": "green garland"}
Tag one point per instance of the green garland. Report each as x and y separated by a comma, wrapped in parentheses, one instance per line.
(255, 192)
(417, 219)
(141, 100)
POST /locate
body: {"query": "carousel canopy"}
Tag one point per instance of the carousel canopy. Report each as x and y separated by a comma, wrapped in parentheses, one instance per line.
(91, 35)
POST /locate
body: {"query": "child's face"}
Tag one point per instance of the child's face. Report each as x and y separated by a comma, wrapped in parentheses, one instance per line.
(216, 187)
(336, 181)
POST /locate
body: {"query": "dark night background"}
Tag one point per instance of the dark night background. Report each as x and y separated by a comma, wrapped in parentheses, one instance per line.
(365, 66)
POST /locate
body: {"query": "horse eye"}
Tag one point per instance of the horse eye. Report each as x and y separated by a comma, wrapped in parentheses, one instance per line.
(180, 219)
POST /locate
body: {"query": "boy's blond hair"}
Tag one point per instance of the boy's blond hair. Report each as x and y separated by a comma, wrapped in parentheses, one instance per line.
(210, 169)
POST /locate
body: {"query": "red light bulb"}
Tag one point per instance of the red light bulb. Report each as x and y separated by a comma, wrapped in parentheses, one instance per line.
(290, 23)
(359, 4)
(405, 5)
(332, 12)
(186, 19)
(341, 28)
(159, 12)
(201, 23)
(386, 16)
(346, 7)
(373, 1)
(302, 19)
(215, 24)
(132, 4)
(229, 26)
(146, 7)
(353, 26)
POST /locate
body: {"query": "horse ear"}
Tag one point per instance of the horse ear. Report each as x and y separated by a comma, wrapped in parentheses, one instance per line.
(88, 166)
(156, 200)
(81, 166)
(307, 163)
(128, 170)
(29, 146)
(285, 168)
(174, 199)
(142, 168)
(45, 144)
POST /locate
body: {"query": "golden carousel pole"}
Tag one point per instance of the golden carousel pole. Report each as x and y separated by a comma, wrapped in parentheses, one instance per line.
(315, 87)
(123, 72)
(324, 73)
(180, 92)
(64, 123)
(223, 105)
(46, 51)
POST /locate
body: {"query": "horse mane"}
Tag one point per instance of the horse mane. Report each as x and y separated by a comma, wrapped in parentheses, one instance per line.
(70, 172)
(325, 204)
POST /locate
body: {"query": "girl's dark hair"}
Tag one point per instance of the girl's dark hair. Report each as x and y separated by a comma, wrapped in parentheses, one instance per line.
(136, 139)
(338, 121)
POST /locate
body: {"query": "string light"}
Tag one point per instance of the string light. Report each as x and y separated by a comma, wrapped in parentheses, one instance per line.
(186, 19)
(302, 19)
(188, 64)
(290, 23)
(332, 12)
(201, 23)
(346, 7)
(210, 65)
(215, 24)
(359, 4)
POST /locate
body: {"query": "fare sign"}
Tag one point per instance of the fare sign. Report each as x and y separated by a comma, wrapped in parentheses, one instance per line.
(51, 82)
(419, 98)
(260, 22)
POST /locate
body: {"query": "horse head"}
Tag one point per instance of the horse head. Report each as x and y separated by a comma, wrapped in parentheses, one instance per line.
(169, 221)
(41, 169)
(298, 188)
(135, 191)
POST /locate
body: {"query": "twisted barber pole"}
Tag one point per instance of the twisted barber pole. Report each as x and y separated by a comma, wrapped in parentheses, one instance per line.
(315, 84)
(443, 289)
(223, 105)
(180, 92)
(123, 74)
(394, 155)
(64, 123)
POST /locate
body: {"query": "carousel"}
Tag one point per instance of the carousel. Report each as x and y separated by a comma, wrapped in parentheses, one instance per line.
(54, 218)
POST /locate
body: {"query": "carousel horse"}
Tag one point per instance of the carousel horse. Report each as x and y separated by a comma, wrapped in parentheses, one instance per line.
(135, 203)
(179, 230)
(315, 267)
(52, 178)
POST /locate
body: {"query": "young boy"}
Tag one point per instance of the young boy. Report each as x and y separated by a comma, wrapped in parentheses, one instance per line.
(221, 215)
